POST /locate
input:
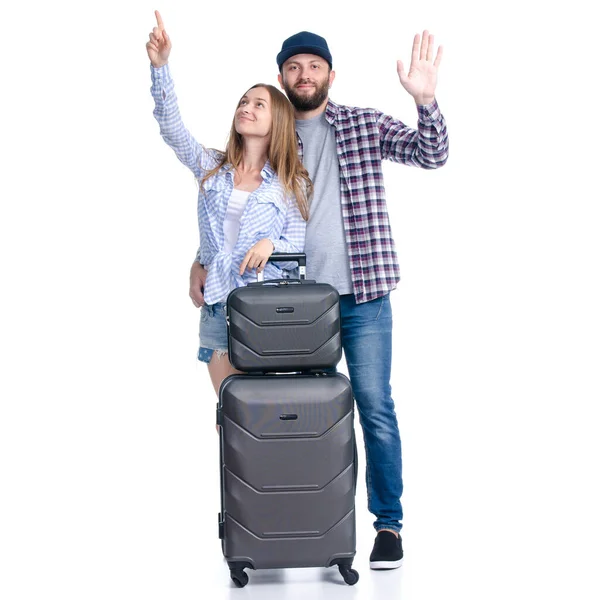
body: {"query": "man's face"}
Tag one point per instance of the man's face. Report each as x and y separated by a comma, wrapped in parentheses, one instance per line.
(306, 79)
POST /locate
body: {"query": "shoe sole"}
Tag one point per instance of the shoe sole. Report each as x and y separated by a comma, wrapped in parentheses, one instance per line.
(386, 565)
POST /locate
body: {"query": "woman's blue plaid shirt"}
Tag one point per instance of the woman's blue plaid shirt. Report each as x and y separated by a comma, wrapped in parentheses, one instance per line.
(269, 213)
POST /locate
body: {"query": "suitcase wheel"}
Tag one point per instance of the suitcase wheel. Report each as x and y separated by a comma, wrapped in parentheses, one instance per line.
(239, 577)
(350, 575)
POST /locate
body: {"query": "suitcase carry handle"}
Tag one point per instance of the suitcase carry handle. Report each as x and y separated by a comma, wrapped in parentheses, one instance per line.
(281, 282)
(298, 257)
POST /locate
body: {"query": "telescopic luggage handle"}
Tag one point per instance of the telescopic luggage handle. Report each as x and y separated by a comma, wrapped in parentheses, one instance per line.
(298, 257)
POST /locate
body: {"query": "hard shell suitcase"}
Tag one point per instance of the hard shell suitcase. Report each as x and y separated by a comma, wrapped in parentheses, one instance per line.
(284, 324)
(288, 473)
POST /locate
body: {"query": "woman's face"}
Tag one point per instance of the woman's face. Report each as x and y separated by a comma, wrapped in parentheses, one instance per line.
(253, 115)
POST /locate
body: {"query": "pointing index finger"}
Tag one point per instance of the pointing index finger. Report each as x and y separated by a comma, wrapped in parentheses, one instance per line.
(159, 20)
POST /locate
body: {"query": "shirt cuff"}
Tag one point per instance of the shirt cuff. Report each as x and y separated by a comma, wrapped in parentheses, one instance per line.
(162, 73)
(429, 112)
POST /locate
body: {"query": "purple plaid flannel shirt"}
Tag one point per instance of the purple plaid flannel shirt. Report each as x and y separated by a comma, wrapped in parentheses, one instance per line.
(364, 137)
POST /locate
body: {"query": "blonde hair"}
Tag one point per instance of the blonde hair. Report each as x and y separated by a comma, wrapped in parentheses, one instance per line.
(282, 151)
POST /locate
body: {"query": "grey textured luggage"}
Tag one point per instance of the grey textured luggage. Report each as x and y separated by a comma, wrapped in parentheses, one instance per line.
(284, 324)
(288, 473)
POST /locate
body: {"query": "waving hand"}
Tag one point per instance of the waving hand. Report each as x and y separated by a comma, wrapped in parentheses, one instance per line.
(421, 79)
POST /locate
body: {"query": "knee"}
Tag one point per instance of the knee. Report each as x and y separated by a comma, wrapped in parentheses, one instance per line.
(377, 412)
(373, 398)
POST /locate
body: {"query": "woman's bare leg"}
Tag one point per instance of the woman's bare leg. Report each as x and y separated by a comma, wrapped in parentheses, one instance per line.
(219, 367)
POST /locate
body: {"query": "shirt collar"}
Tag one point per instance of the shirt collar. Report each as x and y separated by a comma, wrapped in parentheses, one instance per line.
(331, 111)
(267, 172)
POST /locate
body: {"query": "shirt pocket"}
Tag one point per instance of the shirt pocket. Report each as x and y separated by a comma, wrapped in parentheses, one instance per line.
(278, 201)
(214, 198)
(267, 216)
(204, 314)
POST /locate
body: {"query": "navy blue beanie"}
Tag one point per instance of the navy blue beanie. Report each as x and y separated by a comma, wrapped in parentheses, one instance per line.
(304, 43)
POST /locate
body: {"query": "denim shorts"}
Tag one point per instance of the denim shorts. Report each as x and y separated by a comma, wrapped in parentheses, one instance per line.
(213, 331)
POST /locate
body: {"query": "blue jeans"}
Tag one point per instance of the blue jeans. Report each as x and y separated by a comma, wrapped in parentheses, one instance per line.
(367, 344)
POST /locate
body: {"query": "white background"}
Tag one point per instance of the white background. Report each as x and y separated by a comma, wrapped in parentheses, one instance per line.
(107, 444)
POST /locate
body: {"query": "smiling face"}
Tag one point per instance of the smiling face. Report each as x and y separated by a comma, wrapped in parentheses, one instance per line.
(253, 114)
(306, 79)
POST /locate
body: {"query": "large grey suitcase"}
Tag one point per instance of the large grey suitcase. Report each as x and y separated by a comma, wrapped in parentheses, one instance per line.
(288, 473)
(284, 324)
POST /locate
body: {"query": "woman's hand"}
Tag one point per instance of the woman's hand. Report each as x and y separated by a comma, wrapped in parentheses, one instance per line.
(257, 256)
(159, 46)
(198, 276)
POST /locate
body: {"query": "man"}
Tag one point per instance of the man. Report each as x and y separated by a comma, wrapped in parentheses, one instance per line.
(349, 242)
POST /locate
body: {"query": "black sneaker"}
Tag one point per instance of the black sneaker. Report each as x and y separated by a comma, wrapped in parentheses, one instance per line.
(387, 551)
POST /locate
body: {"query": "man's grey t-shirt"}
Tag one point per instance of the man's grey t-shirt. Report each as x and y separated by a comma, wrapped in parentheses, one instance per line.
(325, 247)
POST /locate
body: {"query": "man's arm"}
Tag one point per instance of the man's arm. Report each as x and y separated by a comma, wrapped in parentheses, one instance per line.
(197, 281)
(426, 147)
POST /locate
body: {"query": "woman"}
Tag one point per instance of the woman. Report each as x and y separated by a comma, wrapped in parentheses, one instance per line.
(253, 197)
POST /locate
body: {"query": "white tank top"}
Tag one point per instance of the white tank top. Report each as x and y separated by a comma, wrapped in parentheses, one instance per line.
(231, 226)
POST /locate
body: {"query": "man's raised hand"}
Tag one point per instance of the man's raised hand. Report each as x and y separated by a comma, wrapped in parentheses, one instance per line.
(421, 79)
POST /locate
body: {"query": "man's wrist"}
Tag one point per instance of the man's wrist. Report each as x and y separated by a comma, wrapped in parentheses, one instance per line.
(424, 100)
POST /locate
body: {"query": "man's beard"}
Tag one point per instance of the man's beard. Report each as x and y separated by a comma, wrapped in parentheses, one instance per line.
(306, 103)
